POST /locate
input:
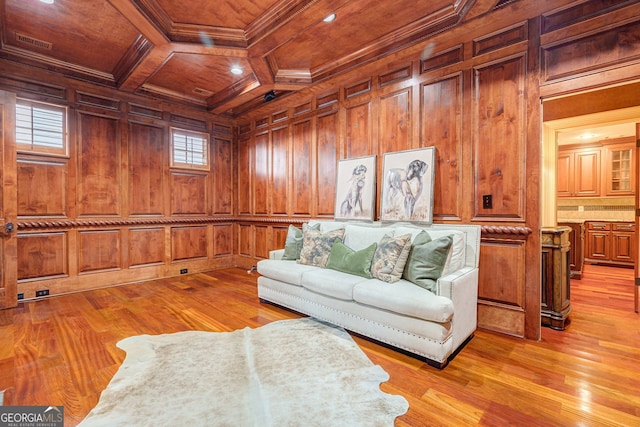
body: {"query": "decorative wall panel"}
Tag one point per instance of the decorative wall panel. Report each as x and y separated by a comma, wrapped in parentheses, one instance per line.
(222, 240)
(395, 122)
(327, 159)
(261, 174)
(441, 127)
(302, 166)
(42, 187)
(614, 46)
(244, 168)
(500, 116)
(358, 130)
(42, 255)
(222, 171)
(99, 250)
(99, 180)
(279, 170)
(188, 193)
(146, 169)
(146, 246)
(188, 243)
(262, 242)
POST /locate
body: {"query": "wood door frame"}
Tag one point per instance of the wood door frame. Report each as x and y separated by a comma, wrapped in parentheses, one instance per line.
(8, 202)
(549, 205)
(636, 267)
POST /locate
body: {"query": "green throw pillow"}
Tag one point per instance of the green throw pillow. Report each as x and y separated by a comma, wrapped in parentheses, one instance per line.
(426, 260)
(293, 243)
(345, 259)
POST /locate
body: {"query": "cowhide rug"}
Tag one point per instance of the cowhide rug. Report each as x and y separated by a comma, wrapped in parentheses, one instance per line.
(288, 373)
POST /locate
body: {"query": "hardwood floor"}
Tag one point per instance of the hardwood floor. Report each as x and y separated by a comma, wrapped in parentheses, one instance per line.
(62, 351)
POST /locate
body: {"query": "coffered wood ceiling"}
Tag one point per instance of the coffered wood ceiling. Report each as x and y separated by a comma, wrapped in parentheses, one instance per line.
(183, 50)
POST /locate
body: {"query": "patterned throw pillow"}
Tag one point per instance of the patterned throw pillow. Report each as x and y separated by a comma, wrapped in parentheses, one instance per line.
(293, 243)
(390, 258)
(316, 246)
(426, 260)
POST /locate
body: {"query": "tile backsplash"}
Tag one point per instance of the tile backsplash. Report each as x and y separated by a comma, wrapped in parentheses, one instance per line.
(583, 208)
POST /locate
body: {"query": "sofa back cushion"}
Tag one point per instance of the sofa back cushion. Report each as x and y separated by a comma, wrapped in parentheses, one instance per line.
(360, 236)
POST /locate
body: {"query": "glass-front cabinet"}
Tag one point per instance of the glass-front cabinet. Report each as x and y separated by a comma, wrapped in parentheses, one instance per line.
(620, 169)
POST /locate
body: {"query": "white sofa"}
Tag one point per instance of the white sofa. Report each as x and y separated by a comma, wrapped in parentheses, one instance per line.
(433, 325)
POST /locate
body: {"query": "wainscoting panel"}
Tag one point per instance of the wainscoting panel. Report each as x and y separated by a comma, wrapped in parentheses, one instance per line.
(146, 246)
(99, 250)
(42, 255)
(222, 240)
(188, 243)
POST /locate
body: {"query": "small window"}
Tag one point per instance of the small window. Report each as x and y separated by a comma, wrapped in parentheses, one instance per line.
(189, 149)
(41, 128)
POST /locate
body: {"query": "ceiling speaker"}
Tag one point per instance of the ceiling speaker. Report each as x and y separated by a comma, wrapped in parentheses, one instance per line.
(269, 96)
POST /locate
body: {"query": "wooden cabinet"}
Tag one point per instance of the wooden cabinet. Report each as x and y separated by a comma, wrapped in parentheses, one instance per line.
(619, 170)
(579, 172)
(604, 169)
(610, 243)
(576, 248)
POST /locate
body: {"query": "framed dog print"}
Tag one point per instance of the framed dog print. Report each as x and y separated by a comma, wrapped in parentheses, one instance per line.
(355, 188)
(407, 186)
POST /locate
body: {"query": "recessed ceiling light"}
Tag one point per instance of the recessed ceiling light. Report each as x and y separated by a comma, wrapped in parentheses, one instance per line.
(588, 135)
(48, 1)
(330, 18)
(236, 70)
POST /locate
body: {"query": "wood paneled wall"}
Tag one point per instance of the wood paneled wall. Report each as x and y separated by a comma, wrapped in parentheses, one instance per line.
(113, 210)
(474, 94)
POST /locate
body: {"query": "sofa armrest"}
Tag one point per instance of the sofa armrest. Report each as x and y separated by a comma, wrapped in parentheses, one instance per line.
(461, 287)
(276, 254)
(445, 285)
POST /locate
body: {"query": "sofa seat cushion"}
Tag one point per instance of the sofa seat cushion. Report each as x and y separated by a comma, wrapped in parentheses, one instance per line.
(404, 297)
(287, 271)
(331, 283)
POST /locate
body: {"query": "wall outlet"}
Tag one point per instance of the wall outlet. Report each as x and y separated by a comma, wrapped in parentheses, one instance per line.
(42, 293)
(487, 201)
(184, 271)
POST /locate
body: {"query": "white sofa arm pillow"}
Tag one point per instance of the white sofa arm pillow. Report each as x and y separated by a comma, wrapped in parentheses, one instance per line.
(276, 254)
(445, 284)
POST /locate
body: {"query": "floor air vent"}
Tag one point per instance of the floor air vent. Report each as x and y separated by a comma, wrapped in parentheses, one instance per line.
(33, 42)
